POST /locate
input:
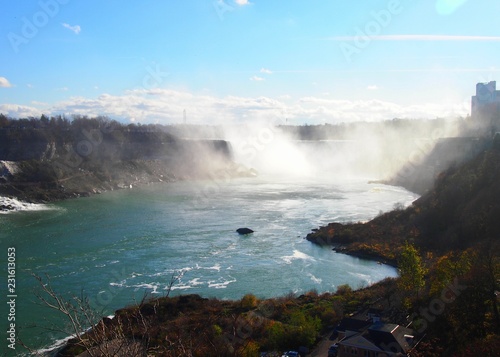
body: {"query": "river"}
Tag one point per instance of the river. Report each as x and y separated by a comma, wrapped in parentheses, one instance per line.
(117, 246)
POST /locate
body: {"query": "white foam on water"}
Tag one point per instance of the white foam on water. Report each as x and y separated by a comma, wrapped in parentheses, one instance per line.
(367, 278)
(15, 205)
(360, 275)
(216, 267)
(185, 286)
(57, 344)
(179, 287)
(297, 255)
(149, 286)
(195, 282)
(180, 271)
(315, 279)
(218, 284)
(47, 351)
(120, 285)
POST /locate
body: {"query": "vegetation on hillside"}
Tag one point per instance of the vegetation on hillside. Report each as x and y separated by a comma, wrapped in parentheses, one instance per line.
(191, 325)
(448, 253)
(460, 211)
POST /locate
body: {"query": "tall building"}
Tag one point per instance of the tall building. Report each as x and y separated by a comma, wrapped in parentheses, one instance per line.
(485, 106)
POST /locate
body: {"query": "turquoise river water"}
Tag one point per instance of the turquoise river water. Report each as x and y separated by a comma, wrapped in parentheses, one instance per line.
(116, 246)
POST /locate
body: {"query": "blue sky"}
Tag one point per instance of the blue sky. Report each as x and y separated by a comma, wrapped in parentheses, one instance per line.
(228, 61)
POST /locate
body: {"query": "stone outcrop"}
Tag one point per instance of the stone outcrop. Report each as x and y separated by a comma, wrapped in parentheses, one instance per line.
(244, 231)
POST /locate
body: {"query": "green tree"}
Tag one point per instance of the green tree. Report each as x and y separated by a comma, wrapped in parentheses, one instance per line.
(447, 268)
(249, 301)
(304, 328)
(411, 270)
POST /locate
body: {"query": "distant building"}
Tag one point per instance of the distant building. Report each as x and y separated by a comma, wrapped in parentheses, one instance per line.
(485, 106)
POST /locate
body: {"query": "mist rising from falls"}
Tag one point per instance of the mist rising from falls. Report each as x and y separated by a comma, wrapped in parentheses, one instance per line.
(367, 150)
(273, 153)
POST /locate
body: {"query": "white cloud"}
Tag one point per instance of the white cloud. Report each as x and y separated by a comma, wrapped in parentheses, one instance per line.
(19, 111)
(76, 28)
(166, 106)
(266, 71)
(257, 78)
(336, 110)
(242, 2)
(372, 87)
(4, 82)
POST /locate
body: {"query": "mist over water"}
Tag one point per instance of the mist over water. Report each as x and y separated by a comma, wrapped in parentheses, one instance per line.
(275, 154)
(359, 150)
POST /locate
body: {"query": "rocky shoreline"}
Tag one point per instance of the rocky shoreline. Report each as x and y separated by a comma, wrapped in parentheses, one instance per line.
(52, 160)
(366, 256)
(325, 236)
(16, 179)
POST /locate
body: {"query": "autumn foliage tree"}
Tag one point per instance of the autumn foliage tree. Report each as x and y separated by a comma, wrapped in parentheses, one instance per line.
(411, 270)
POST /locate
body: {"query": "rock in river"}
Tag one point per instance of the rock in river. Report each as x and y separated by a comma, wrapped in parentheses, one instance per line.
(244, 230)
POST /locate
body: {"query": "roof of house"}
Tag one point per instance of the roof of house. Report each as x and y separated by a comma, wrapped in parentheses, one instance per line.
(390, 336)
(359, 341)
(380, 337)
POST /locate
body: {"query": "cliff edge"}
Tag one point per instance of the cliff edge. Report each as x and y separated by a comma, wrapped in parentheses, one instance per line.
(54, 160)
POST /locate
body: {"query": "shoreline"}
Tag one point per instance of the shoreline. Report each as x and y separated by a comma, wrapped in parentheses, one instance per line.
(87, 183)
(367, 256)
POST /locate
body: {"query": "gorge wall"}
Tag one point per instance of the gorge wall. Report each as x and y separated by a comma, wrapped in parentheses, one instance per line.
(44, 164)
